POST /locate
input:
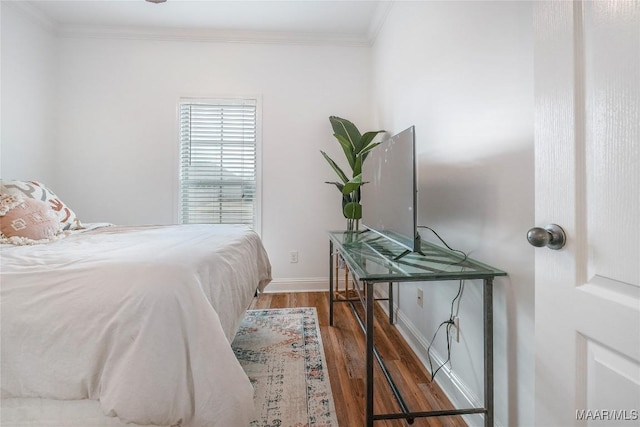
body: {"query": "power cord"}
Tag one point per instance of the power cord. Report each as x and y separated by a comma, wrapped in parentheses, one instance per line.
(464, 255)
(450, 322)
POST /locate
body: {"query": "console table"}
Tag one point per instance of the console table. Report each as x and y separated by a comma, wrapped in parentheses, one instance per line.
(374, 259)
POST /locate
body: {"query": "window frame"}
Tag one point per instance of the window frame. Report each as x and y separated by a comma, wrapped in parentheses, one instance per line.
(220, 100)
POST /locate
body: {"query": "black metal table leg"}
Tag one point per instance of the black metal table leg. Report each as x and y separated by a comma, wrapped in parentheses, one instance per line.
(330, 282)
(391, 303)
(488, 351)
(369, 364)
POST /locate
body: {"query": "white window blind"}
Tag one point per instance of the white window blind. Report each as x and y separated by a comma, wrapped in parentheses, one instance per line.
(218, 162)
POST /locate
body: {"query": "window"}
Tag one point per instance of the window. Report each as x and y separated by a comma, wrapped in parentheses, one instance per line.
(218, 162)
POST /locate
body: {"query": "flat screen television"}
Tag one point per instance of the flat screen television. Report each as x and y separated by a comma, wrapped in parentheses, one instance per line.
(389, 197)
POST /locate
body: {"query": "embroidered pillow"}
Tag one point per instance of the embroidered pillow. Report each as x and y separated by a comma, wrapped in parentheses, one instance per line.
(37, 190)
(31, 219)
(8, 202)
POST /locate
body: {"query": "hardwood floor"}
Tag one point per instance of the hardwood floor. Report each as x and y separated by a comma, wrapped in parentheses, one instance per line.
(344, 348)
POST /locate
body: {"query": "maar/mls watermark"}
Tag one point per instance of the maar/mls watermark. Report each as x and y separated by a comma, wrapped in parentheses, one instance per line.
(607, 414)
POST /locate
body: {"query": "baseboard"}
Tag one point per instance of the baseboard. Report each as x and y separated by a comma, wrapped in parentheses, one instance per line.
(310, 284)
(456, 390)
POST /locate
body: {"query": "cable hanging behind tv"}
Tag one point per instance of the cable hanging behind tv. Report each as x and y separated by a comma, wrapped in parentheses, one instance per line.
(390, 193)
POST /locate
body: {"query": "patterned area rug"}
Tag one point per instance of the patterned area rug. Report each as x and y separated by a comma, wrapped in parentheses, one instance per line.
(281, 352)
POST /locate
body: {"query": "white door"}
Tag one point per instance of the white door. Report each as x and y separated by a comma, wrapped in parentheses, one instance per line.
(587, 141)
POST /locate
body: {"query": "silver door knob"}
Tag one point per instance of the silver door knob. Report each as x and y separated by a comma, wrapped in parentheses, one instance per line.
(552, 236)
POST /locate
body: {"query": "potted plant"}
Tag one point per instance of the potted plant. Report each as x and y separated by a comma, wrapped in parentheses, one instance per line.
(356, 147)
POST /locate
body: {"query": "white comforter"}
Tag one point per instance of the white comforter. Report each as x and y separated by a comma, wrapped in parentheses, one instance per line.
(138, 318)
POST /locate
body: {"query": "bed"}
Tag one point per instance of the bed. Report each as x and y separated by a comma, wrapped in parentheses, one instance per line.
(118, 324)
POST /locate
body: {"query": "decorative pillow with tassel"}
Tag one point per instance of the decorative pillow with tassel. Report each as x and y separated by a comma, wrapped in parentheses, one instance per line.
(27, 221)
(36, 190)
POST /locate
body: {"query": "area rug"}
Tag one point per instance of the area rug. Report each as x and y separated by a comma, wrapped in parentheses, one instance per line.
(281, 352)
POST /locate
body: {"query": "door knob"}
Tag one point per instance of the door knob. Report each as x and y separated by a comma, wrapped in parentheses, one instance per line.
(552, 236)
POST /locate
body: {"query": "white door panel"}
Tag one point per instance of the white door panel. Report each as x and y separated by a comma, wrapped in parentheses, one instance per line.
(606, 370)
(587, 139)
(612, 84)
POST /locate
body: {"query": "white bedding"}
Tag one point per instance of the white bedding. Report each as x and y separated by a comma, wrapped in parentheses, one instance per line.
(139, 319)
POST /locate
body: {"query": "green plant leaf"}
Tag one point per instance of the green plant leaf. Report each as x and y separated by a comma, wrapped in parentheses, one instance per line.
(352, 210)
(346, 198)
(368, 148)
(336, 168)
(347, 129)
(365, 151)
(357, 167)
(349, 152)
(353, 184)
(366, 139)
(339, 185)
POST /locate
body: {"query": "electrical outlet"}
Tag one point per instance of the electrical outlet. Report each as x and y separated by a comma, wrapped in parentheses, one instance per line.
(419, 301)
(293, 257)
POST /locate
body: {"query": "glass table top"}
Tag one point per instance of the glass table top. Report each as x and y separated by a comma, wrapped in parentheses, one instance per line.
(374, 258)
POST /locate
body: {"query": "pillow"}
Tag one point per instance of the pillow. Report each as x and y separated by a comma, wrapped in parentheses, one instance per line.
(8, 202)
(31, 219)
(37, 190)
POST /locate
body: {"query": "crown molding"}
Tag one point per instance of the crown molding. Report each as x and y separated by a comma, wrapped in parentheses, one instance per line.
(210, 35)
(203, 34)
(379, 18)
(34, 13)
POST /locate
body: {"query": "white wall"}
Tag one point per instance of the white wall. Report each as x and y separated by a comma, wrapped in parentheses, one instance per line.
(462, 73)
(27, 87)
(118, 139)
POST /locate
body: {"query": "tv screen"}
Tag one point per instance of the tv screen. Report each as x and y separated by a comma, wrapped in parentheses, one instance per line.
(390, 193)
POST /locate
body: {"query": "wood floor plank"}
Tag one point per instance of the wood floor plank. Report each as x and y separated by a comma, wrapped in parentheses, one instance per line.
(344, 347)
(279, 301)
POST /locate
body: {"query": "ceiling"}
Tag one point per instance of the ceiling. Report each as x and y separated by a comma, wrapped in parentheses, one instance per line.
(355, 19)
